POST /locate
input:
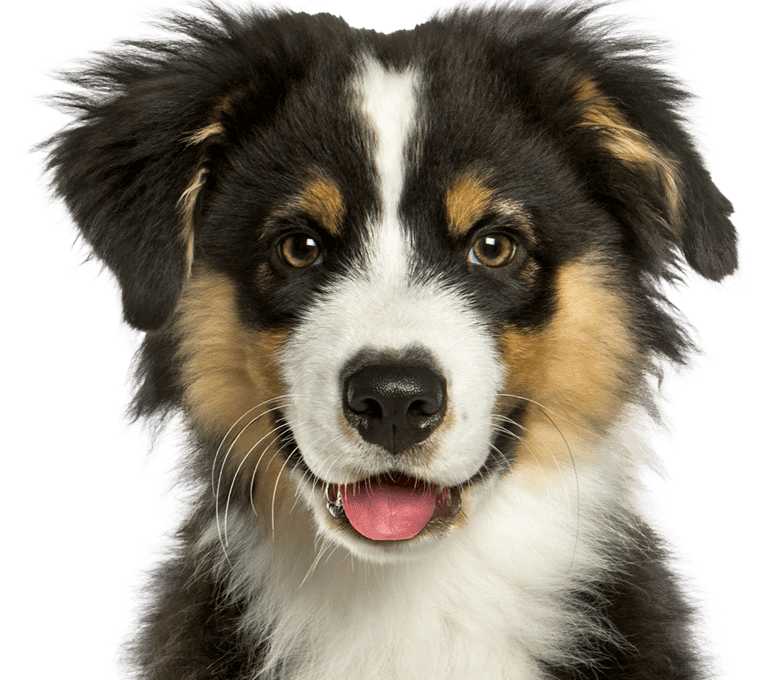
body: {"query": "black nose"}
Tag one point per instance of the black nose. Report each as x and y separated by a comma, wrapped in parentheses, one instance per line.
(394, 406)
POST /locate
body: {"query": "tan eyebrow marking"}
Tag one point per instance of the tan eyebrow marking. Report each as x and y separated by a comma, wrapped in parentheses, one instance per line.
(467, 201)
(321, 198)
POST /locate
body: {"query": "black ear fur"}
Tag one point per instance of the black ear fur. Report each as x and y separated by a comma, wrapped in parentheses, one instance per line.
(122, 169)
(121, 173)
(709, 240)
(149, 119)
(643, 163)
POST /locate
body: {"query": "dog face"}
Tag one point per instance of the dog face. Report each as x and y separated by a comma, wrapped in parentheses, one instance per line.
(406, 364)
(382, 274)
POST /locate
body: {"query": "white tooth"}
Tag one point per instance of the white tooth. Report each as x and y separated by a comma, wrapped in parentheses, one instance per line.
(335, 508)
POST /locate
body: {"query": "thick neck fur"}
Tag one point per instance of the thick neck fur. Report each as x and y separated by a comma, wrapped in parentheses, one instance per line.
(496, 599)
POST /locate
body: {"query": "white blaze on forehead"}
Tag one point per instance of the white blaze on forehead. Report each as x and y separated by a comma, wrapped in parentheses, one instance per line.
(388, 102)
(379, 307)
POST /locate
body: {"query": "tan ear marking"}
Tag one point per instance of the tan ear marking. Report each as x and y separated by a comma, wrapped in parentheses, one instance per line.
(186, 204)
(629, 145)
(205, 133)
(189, 198)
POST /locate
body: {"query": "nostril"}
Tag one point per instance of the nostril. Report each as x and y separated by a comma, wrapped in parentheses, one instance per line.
(365, 406)
(394, 405)
(427, 407)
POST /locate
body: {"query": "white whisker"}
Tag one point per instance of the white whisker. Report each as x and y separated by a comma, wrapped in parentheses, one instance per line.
(222, 526)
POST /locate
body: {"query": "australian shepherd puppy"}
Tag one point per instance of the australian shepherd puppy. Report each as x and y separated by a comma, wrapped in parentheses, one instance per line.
(404, 290)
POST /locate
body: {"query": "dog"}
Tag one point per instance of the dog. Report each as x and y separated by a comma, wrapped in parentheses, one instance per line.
(405, 291)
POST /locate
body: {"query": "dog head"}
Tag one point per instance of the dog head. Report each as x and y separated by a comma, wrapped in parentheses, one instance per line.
(383, 272)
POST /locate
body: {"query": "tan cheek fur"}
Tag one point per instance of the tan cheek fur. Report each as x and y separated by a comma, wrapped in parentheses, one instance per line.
(231, 380)
(576, 372)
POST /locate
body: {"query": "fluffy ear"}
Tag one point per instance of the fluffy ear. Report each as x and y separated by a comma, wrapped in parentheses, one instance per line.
(129, 171)
(642, 164)
(150, 120)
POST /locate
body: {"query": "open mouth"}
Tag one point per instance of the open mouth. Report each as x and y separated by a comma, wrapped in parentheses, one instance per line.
(392, 507)
(395, 506)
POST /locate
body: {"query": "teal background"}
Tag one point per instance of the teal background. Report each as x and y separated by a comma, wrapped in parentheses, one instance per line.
(74, 508)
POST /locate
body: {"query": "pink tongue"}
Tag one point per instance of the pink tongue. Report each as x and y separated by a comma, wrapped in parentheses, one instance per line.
(387, 512)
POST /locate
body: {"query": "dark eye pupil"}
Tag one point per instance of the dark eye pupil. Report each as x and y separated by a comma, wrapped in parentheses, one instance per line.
(300, 250)
(302, 247)
(494, 250)
(491, 247)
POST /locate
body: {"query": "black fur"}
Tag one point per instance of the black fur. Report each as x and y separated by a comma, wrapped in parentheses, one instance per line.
(645, 602)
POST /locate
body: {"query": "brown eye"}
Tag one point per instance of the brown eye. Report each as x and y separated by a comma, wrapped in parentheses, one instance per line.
(493, 250)
(300, 250)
